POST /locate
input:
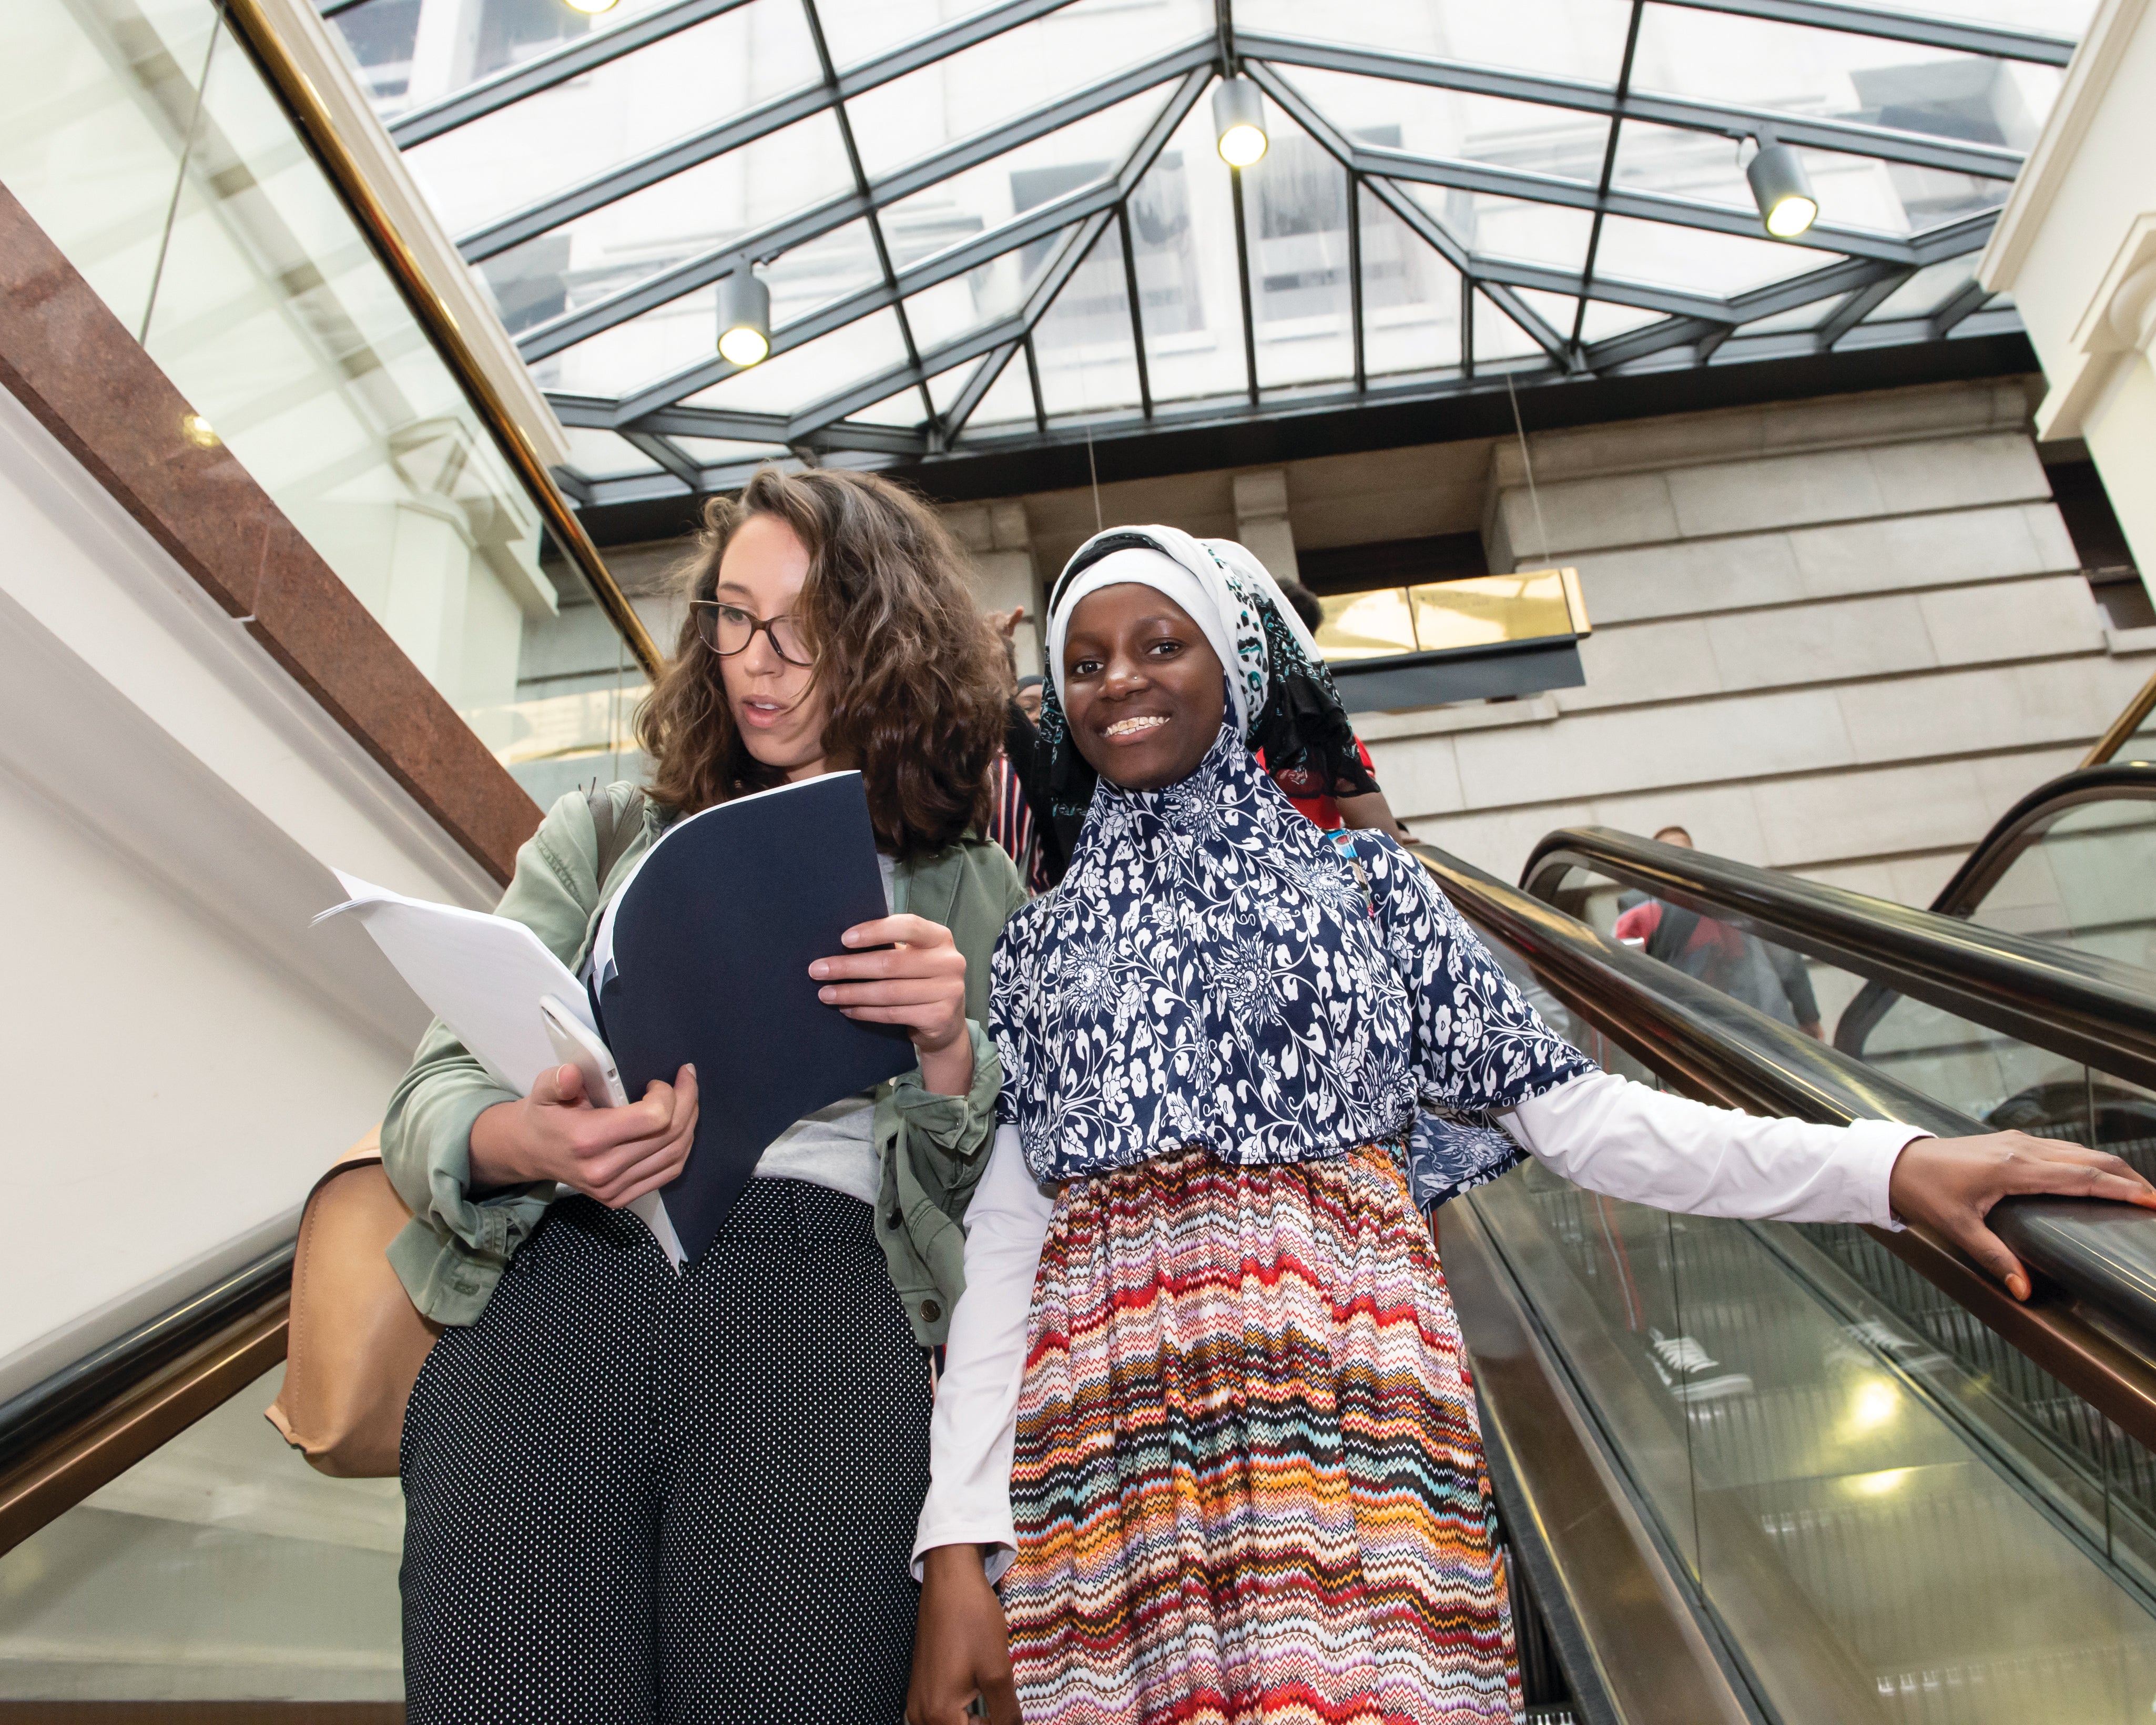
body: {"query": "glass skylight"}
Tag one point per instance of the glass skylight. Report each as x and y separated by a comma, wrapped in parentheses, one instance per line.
(985, 222)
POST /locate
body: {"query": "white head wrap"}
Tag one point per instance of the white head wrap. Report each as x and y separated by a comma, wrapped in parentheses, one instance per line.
(1187, 570)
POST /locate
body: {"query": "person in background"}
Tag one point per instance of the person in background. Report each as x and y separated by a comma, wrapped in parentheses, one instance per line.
(1741, 965)
(1013, 823)
(1306, 788)
(632, 1495)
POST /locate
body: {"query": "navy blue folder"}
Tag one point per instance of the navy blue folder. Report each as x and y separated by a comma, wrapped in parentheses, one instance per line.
(712, 942)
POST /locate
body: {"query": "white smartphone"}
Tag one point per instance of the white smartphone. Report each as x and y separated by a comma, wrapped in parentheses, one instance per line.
(574, 1046)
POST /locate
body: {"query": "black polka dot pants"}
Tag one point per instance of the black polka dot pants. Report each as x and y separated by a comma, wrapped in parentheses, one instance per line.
(637, 1497)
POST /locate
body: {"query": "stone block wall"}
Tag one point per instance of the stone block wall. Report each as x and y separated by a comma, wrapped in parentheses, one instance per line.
(1838, 637)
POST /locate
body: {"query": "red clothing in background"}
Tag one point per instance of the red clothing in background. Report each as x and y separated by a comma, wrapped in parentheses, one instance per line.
(1308, 792)
(1641, 921)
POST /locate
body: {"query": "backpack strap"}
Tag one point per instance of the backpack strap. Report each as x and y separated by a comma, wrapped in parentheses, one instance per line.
(616, 832)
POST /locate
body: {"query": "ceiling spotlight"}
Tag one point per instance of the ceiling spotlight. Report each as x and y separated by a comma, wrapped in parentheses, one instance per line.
(1782, 190)
(1238, 122)
(744, 317)
(592, 6)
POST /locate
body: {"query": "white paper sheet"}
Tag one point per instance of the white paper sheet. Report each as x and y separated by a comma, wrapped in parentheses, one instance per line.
(484, 977)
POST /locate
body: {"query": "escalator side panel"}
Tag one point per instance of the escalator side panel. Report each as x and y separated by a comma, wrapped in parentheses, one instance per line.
(1630, 1646)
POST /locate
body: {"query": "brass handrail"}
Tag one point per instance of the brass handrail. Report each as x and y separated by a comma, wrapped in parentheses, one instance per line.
(2130, 721)
(303, 103)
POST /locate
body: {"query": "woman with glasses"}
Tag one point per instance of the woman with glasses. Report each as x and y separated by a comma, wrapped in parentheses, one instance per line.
(638, 1496)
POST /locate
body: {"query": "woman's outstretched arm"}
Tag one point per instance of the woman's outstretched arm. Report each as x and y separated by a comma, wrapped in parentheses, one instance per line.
(1614, 1136)
(966, 1537)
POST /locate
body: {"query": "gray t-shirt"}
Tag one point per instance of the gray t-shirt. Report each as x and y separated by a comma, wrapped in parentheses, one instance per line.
(833, 1146)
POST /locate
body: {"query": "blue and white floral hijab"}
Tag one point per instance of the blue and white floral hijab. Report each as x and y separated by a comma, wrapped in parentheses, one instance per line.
(1212, 970)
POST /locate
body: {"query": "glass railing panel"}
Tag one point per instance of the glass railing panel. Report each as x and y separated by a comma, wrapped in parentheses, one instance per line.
(1779, 982)
(2088, 881)
(578, 691)
(152, 151)
(1858, 1477)
(1867, 1559)
(220, 1568)
(1982, 1072)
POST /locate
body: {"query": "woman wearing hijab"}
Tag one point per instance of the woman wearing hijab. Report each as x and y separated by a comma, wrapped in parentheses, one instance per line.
(1226, 1459)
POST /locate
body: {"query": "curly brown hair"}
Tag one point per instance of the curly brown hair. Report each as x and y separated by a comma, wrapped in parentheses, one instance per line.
(901, 657)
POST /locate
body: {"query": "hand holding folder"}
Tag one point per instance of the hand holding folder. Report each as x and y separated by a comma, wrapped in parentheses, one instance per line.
(702, 959)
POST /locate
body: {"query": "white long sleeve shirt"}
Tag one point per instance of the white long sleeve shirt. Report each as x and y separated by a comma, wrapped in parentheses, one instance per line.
(1601, 1131)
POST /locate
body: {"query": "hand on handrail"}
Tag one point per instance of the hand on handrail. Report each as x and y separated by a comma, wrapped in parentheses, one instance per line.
(1950, 1185)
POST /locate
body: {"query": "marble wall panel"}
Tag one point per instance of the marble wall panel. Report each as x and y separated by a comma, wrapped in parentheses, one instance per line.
(1820, 643)
(1602, 754)
(2012, 620)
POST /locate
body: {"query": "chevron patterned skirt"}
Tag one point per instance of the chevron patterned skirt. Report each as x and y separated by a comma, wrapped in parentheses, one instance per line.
(1249, 1481)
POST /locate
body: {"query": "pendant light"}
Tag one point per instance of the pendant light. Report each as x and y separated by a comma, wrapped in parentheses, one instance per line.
(1782, 189)
(1238, 122)
(744, 317)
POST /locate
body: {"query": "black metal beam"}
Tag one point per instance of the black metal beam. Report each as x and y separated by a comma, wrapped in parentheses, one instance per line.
(558, 65)
(1967, 298)
(708, 266)
(1243, 282)
(1020, 324)
(1033, 377)
(1057, 215)
(1230, 433)
(1927, 28)
(1859, 304)
(1655, 338)
(513, 229)
(676, 461)
(1355, 273)
(976, 390)
(573, 60)
(1587, 96)
(1131, 291)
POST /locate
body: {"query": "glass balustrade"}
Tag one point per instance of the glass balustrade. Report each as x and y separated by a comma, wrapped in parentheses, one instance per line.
(1992, 1077)
(219, 1569)
(1888, 1514)
(2088, 880)
(154, 154)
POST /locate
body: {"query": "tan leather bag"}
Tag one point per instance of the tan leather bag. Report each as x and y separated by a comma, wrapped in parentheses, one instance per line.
(356, 1342)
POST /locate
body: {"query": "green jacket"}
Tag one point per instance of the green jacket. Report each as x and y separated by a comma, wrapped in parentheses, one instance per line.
(932, 1148)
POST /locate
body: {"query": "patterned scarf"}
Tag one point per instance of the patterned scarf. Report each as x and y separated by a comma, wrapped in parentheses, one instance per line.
(1212, 970)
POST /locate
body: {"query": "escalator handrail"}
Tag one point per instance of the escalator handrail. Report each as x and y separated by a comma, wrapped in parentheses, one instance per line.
(64, 1437)
(2028, 819)
(2091, 1321)
(2080, 1005)
(2131, 719)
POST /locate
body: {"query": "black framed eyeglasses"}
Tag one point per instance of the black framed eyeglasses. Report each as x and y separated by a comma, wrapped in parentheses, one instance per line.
(727, 630)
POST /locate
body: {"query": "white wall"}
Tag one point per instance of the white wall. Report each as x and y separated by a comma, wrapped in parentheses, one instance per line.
(184, 1055)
